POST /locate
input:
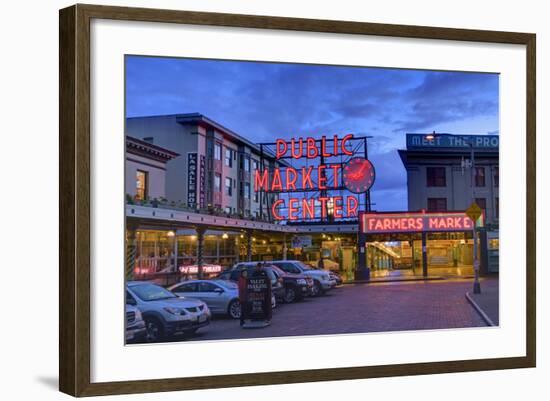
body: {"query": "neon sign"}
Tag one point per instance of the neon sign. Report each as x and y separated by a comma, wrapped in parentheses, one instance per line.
(377, 223)
(357, 176)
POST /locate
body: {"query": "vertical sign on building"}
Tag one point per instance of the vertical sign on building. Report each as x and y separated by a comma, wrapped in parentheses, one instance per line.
(202, 182)
(192, 180)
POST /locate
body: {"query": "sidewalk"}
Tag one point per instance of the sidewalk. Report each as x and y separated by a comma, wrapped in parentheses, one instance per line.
(487, 302)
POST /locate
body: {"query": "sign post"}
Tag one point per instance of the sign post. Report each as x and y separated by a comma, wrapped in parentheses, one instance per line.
(474, 212)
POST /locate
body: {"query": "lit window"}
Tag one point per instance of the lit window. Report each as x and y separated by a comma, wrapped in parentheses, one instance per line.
(247, 190)
(141, 185)
(217, 183)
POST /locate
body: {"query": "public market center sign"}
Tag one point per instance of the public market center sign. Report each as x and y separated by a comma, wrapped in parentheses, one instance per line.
(355, 176)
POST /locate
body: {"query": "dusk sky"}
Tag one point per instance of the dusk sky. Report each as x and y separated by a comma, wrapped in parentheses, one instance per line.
(264, 101)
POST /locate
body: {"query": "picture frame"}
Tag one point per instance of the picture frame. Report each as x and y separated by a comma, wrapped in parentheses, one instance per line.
(75, 205)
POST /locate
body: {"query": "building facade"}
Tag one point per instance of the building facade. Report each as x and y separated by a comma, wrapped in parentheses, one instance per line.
(191, 202)
(215, 169)
(439, 175)
(146, 169)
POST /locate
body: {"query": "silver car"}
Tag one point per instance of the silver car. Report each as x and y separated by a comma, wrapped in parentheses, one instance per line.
(221, 296)
(135, 325)
(165, 313)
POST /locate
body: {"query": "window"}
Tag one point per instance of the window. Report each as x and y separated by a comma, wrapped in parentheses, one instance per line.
(228, 186)
(254, 165)
(217, 182)
(497, 208)
(288, 267)
(436, 176)
(247, 190)
(256, 196)
(437, 204)
(141, 184)
(228, 157)
(191, 287)
(151, 292)
(207, 287)
(130, 300)
(227, 209)
(479, 175)
(217, 151)
(495, 176)
(246, 164)
(482, 203)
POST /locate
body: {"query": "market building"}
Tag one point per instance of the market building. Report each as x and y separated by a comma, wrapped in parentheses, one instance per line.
(215, 172)
(209, 208)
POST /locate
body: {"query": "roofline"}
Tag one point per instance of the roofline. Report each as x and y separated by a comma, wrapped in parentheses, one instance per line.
(184, 118)
(168, 154)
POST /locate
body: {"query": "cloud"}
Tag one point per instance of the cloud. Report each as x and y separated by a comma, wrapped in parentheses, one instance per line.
(264, 101)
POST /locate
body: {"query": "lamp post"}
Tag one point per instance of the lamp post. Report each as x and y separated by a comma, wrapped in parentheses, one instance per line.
(477, 286)
(470, 143)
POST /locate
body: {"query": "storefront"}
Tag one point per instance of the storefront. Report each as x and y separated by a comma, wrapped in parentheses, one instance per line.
(421, 244)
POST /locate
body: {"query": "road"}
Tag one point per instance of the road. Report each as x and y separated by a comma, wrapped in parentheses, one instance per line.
(360, 308)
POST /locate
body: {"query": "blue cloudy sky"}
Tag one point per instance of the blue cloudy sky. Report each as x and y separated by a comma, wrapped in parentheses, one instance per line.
(262, 101)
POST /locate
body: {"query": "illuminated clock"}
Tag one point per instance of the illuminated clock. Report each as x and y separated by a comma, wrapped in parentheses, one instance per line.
(358, 175)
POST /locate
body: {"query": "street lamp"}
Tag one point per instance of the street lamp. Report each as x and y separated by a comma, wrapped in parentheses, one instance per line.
(477, 285)
(470, 143)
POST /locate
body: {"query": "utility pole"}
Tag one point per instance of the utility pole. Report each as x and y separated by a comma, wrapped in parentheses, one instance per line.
(477, 286)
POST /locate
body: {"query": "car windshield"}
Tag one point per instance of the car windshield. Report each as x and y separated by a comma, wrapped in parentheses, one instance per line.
(304, 266)
(151, 292)
(230, 285)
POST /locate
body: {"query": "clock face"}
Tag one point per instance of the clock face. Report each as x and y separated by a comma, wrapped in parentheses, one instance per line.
(358, 175)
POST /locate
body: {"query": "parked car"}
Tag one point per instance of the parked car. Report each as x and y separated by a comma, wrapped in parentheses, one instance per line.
(297, 286)
(165, 314)
(221, 296)
(233, 274)
(336, 277)
(135, 325)
(321, 279)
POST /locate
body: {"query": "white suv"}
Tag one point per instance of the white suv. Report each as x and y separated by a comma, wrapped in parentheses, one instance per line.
(321, 279)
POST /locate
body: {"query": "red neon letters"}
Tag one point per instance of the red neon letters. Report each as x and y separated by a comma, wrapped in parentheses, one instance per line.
(321, 177)
(415, 222)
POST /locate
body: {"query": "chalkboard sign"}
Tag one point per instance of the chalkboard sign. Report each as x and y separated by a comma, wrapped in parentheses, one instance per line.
(255, 296)
(258, 300)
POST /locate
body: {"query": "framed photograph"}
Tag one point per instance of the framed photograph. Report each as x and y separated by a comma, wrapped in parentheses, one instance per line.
(250, 200)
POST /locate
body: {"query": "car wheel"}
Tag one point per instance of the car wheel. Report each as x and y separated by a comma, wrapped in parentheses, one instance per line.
(234, 309)
(290, 295)
(317, 289)
(154, 330)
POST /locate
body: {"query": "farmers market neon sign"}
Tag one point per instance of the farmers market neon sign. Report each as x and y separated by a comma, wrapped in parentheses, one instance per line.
(357, 176)
(376, 223)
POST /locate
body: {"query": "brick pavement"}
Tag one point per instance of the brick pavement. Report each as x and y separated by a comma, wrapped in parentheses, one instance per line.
(360, 308)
